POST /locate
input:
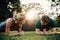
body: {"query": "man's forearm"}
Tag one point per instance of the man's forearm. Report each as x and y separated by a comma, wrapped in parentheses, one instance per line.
(19, 30)
(37, 31)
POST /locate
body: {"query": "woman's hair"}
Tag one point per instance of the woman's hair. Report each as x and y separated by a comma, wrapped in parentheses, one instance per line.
(20, 16)
(45, 18)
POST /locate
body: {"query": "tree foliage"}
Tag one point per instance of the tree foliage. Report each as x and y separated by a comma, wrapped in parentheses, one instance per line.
(4, 10)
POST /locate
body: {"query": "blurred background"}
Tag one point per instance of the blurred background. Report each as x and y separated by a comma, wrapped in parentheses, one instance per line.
(32, 9)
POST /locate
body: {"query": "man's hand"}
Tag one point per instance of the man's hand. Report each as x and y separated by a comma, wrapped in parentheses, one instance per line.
(44, 31)
(38, 33)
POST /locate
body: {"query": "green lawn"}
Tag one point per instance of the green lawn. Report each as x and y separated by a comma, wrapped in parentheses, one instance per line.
(30, 36)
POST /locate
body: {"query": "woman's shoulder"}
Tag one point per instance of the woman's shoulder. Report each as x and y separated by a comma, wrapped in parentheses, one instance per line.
(9, 20)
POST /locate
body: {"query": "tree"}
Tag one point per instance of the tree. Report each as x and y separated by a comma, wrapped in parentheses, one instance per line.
(4, 11)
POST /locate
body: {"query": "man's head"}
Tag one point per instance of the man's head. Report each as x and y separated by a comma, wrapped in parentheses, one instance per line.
(45, 20)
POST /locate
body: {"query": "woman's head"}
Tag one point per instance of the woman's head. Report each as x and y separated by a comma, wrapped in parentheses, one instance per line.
(20, 16)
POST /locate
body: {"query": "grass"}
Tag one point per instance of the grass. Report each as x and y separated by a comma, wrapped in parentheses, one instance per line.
(30, 36)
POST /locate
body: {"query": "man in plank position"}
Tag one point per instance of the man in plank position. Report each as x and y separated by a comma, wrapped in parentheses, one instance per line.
(44, 24)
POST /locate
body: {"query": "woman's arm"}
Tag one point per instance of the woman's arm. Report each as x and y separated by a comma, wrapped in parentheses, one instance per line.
(8, 25)
(20, 28)
(20, 32)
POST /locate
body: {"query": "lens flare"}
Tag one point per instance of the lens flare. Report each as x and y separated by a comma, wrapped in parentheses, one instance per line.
(31, 14)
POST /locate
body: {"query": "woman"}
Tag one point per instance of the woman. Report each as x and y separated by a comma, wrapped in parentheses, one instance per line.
(12, 22)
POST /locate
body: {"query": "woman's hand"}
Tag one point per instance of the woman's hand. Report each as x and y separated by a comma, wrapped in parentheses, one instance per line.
(21, 33)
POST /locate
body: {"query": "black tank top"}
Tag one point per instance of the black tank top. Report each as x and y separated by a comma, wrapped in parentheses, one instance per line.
(14, 25)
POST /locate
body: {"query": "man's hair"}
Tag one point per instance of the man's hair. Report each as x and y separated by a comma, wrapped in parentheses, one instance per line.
(45, 18)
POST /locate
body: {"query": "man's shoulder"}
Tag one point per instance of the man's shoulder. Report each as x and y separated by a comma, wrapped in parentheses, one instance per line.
(39, 19)
(51, 20)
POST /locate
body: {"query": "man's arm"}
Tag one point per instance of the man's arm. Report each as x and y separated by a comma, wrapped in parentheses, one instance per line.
(37, 31)
(53, 30)
(8, 25)
(37, 26)
(53, 26)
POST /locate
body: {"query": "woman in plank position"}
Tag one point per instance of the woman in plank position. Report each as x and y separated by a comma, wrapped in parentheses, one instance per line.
(13, 22)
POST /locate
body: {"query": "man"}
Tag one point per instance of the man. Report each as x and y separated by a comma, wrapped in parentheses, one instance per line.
(12, 22)
(44, 24)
